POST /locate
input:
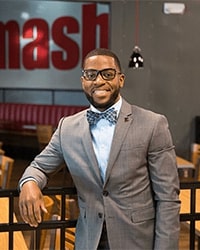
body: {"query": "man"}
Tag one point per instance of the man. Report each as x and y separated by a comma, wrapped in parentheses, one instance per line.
(124, 169)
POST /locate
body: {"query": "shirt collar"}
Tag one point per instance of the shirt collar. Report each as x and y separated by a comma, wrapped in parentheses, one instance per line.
(116, 106)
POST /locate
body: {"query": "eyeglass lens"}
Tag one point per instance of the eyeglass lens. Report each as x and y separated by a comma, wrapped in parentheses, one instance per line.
(106, 74)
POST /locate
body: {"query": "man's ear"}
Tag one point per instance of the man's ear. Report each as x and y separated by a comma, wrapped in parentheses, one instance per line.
(82, 82)
(121, 80)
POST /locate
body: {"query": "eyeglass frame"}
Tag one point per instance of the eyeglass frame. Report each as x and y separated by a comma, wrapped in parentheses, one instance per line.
(100, 72)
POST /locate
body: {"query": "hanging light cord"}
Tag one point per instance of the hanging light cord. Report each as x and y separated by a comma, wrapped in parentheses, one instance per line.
(136, 22)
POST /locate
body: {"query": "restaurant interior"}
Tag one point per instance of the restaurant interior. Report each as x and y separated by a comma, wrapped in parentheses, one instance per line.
(158, 45)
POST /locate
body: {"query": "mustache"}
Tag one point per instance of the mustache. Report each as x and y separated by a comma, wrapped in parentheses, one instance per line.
(99, 87)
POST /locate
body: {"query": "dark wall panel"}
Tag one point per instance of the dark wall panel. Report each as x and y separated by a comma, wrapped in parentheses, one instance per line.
(169, 81)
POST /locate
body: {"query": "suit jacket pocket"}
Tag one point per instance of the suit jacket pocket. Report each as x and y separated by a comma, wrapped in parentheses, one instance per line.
(143, 215)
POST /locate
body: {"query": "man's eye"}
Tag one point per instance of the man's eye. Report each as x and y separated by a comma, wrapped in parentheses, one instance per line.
(91, 75)
(108, 74)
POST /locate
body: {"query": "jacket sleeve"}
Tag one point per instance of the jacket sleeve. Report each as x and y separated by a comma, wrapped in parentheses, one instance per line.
(165, 185)
(46, 163)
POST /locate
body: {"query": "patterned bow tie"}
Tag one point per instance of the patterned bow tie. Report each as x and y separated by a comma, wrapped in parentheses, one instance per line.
(110, 115)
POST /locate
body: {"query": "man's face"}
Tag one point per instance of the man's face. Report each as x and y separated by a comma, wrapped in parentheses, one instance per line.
(102, 88)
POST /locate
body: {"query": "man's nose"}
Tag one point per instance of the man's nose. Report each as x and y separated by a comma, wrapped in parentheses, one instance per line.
(99, 78)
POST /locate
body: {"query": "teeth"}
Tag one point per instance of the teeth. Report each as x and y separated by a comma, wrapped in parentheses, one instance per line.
(100, 90)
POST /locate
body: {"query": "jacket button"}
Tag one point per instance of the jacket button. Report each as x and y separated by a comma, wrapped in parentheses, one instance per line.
(100, 215)
(105, 193)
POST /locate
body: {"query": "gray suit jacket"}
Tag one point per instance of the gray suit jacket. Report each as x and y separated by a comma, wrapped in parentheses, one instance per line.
(139, 200)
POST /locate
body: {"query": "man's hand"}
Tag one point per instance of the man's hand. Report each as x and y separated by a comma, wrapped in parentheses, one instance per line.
(31, 203)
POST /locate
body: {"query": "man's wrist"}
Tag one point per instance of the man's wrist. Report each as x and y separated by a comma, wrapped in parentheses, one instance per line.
(26, 180)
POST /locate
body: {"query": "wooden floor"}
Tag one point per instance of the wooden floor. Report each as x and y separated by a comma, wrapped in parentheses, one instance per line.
(59, 180)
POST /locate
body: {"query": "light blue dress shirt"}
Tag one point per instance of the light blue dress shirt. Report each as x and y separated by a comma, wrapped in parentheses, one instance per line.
(102, 135)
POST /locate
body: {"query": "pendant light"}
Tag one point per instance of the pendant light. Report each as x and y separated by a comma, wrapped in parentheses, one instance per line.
(136, 60)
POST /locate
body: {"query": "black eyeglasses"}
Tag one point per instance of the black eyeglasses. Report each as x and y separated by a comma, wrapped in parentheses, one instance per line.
(106, 74)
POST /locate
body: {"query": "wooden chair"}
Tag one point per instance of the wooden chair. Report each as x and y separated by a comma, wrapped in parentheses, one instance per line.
(72, 212)
(2, 152)
(71, 206)
(46, 216)
(44, 133)
(195, 159)
(195, 152)
(197, 170)
(55, 237)
(6, 167)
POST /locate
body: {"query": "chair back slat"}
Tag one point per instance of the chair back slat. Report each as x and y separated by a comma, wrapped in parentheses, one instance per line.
(6, 167)
(44, 133)
(195, 159)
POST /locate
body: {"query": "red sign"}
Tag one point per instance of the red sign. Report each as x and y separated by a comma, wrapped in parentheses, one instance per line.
(43, 43)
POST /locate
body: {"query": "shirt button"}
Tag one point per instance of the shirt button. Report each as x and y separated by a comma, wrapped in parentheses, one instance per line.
(105, 193)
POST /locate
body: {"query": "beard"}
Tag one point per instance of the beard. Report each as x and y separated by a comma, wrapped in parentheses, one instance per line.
(105, 105)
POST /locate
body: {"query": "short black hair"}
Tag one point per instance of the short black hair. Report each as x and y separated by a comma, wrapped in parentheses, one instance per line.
(102, 52)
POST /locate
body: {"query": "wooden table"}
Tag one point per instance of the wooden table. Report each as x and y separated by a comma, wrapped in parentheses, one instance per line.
(19, 242)
(185, 167)
(182, 163)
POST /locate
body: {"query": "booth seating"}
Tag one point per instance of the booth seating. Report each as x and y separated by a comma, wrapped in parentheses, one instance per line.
(20, 117)
(19, 125)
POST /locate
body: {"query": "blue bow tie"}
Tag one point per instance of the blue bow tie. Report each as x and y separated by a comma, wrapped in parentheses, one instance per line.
(110, 115)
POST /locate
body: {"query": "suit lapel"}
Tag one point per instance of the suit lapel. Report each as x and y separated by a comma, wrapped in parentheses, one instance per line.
(124, 121)
(88, 147)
